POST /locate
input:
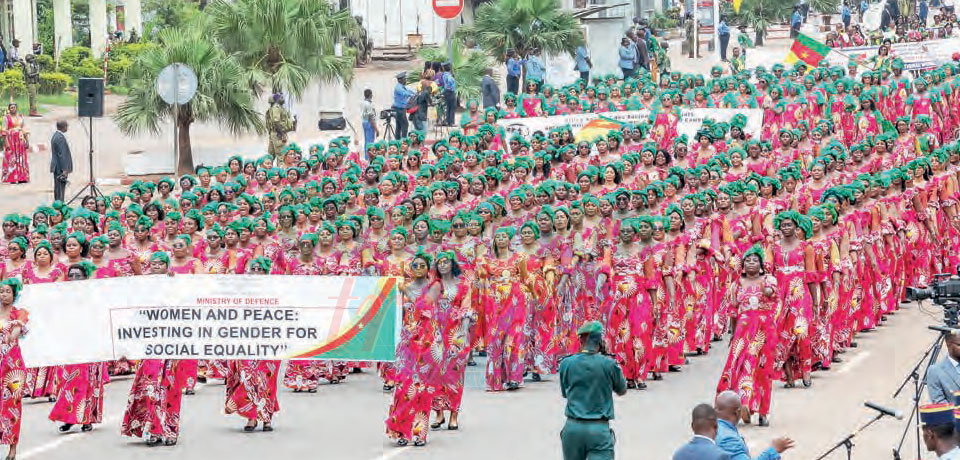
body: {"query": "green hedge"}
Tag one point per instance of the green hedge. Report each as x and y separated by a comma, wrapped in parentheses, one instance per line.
(54, 82)
(11, 82)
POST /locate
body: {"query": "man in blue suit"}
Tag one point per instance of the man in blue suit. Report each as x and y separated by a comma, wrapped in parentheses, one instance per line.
(702, 446)
(943, 378)
(729, 439)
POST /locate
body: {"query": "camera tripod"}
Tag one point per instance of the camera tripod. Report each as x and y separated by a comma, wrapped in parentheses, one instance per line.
(388, 130)
(91, 186)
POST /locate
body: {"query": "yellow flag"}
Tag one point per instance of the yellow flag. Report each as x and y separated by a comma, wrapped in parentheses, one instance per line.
(736, 6)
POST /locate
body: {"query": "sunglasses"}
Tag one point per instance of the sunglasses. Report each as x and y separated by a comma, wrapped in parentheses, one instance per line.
(459, 225)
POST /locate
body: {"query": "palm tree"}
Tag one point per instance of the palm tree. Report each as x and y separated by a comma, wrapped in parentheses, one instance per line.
(286, 43)
(221, 93)
(466, 64)
(760, 14)
(522, 25)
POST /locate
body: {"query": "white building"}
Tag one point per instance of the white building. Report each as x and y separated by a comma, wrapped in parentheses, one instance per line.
(398, 23)
(18, 20)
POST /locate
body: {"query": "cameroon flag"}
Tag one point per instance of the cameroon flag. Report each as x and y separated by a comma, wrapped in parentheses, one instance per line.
(597, 127)
(807, 50)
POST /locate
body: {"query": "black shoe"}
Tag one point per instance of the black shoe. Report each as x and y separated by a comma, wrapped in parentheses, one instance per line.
(311, 390)
(189, 392)
(699, 352)
(631, 385)
(471, 363)
(673, 368)
(201, 379)
(807, 382)
(170, 442)
(86, 427)
(356, 370)
(836, 359)
(51, 399)
(402, 442)
(267, 428)
(657, 376)
(511, 386)
(419, 443)
(250, 428)
(854, 345)
(439, 424)
(387, 387)
(536, 377)
(817, 366)
(763, 421)
(453, 427)
(641, 385)
(65, 427)
(482, 354)
(717, 338)
(154, 441)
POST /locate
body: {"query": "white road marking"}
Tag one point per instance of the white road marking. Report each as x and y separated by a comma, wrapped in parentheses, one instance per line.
(392, 453)
(853, 362)
(63, 439)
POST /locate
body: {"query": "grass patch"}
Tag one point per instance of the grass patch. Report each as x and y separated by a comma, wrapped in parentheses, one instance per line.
(59, 100)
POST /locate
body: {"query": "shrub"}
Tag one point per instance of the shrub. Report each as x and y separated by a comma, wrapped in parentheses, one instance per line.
(117, 69)
(12, 84)
(89, 68)
(46, 63)
(73, 55)
(54, 82)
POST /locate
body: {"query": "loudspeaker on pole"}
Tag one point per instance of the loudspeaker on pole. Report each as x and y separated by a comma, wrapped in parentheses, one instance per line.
(90, 97)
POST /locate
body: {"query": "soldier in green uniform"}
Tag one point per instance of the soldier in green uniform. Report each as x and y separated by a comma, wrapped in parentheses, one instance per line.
(278, 125)
(588, 380)
(31, 76)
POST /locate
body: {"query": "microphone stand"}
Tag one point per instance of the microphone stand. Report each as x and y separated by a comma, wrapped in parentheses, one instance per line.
(847, 442)
(919, 383)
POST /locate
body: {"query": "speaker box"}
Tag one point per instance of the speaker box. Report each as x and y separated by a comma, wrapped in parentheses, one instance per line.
(90, 97)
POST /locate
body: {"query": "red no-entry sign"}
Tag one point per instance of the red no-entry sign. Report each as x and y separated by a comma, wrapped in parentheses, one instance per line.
(447, 9)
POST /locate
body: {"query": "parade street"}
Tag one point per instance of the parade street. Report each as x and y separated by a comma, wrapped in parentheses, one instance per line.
(346, 420)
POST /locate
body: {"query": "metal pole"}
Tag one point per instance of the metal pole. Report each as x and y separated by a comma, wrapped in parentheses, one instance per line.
(696, 28)
(176, 110)
(716, 26)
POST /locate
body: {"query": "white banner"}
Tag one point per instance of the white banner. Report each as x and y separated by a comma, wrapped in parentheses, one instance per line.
(690, 120)
(211, 317)
(916, 55)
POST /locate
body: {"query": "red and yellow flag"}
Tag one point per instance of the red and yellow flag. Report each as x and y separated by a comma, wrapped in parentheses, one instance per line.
(597, 127)
(807, 50)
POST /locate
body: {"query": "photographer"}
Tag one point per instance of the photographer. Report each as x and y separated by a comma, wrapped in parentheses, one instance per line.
(401, 98)
(368, 113)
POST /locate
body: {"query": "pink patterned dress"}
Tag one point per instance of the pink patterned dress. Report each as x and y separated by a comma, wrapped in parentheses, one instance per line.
(153, 405)
(15, 168)
(13, 376)
(42, 381)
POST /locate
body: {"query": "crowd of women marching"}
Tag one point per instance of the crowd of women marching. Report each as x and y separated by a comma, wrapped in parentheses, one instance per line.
(793, 239)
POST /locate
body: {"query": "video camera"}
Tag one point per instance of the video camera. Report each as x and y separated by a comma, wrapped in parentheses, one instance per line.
(944, 291)
(387, 114)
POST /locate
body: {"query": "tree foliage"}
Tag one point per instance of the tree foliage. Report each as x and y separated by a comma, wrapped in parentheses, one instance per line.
(221, 97)
(522, 25)
(285, 43)
(467, 65)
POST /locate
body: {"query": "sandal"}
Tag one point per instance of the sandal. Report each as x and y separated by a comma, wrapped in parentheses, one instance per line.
(419, 443)
(402, 442)
(65, 427)
(170, 442)
(86, 427)
(267, 428)
(641, 385)
(154, 441)
(452, 427)
(789, 385)
(631, 385)
(250, 428)
(438, 424)
(536, 377)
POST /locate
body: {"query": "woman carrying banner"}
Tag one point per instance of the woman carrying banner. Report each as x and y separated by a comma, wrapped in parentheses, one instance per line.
(252, 384)
(153, 406)
(80, 399)
(43, 381)
(12, 371)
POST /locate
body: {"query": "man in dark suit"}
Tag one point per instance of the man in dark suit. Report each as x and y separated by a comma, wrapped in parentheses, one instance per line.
(943, 378)
(61, 162)
(702, 446)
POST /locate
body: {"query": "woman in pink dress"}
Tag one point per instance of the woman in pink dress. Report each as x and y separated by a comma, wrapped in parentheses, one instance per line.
(43, 268)
(451, 294)
(153, 405)
(749, 368)
(13, 374)
(505, 275)
(16, 142)
(16, 259)
(251, 384)
(183, 263)
(80, 399)
(303, 375)
(409, 415)
(795, 269)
